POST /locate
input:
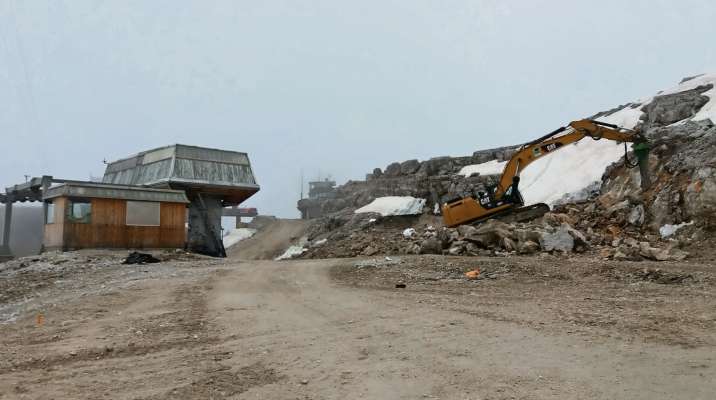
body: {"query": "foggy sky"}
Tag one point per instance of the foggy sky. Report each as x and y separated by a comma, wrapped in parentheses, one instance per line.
(327, 87)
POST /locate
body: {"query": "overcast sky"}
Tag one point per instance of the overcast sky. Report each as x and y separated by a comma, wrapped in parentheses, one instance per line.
(328, 87)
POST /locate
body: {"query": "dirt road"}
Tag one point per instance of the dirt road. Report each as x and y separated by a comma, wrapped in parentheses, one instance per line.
(290, 330)
(272, 239)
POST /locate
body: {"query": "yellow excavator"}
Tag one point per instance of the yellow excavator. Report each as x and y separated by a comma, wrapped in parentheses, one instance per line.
(504, 200)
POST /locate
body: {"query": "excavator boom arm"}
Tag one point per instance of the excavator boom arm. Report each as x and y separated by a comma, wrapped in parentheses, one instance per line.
(505, 201)
(532, 151)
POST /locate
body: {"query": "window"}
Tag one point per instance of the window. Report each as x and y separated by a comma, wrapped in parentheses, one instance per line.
(50, 216)
(79, 211)
(143, 213)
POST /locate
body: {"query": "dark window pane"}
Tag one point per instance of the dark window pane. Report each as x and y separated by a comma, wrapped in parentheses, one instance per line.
(79, 212)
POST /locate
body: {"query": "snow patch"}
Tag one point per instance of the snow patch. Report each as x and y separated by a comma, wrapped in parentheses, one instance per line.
(588, 192)
(669, 229)
(628, 117)
(549, 178)
(394, 205)
(236, 235)
(291, 252)
(493, 167)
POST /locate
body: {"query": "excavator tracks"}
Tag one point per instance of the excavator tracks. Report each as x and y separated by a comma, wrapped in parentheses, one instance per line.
(522, 214)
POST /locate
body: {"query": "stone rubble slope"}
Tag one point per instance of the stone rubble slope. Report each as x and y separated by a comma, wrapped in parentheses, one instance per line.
(606, 233)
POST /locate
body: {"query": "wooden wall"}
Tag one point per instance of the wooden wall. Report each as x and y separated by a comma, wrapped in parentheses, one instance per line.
(108, 228)
(54, 232)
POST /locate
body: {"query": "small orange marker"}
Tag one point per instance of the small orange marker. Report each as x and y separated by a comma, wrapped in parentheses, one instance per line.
(40, 319)
(472, 274)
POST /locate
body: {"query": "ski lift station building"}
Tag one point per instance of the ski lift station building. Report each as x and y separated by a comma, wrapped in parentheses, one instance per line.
(147, 200)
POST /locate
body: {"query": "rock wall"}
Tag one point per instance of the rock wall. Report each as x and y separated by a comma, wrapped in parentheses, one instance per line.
(682, 164)
(435, 179)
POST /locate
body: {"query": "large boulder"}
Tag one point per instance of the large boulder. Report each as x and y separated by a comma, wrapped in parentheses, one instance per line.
(653, 253)
(431, 245)
(466, 230)
(527, 247)
(667, 109)
(527, 235)
(409, 167)
(482, 156)
(637, 215)
(392, 169)
(490, 234)
(559, 240)
(437, 166)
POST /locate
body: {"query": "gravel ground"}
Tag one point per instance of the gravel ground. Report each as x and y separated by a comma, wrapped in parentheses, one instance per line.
(83, 325)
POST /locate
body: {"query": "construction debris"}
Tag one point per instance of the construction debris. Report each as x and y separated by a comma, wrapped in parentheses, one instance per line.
(140, 258)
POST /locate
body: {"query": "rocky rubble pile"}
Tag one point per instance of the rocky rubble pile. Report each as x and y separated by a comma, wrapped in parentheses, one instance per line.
(618, 230)
(610, 232)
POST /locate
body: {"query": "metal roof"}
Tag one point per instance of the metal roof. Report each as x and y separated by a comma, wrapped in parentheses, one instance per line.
(223, 173)
(110, 191)
(197, 164)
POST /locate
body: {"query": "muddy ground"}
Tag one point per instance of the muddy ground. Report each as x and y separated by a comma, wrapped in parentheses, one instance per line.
(196, 328)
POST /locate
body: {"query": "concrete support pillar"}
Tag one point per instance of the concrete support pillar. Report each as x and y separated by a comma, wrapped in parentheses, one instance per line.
(205, 226)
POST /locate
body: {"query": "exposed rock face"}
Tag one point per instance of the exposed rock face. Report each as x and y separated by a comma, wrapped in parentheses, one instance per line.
(409, 167)
(681, 165)
(434, 180)
(683, 178)
(392, 169)
(665, 110)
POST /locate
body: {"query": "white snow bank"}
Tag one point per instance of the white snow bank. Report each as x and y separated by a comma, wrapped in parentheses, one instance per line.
(291, 252)
(493, 167)
(668, 229)
(627, 117)
(571, 169)
(236, 235)
(394, 205)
